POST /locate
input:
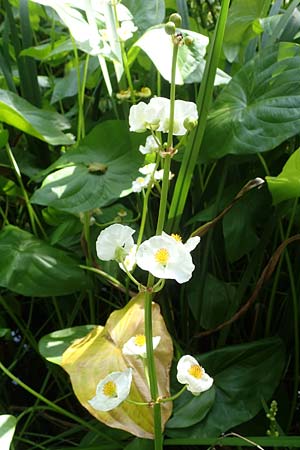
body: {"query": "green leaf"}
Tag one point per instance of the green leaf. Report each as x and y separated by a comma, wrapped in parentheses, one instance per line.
(53, 345)
(146, 14)
(239, 30)
(259, 108)
(7, 428)
(75, 189)
(287, 184)
(243, 376)
(3, 138)
(31, 267)
(45, 125)
(190, 60)
(193, 410)
(9, 187)
(4, 332)
(140, 444)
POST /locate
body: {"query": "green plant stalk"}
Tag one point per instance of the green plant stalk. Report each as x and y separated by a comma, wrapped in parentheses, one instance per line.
(24, 192)
(55, 407)
(158, 438)
(194, 143)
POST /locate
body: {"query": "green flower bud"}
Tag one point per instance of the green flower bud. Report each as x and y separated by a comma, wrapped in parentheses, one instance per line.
(188, 41)
(189, 124)
(176, 19)
(170, 28)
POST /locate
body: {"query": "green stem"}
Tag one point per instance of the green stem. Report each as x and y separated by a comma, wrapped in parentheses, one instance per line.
(173, 397)
(55, 407)
(158, 439)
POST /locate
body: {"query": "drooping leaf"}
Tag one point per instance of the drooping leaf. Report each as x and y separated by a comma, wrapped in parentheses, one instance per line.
(92, 358)
(259, 108)
(30, 266)
(287, 184)
(7, 428)
(45, 125)
(243, 376)
(53, 345)
(190, 59)
(76, 188)
(146, 14)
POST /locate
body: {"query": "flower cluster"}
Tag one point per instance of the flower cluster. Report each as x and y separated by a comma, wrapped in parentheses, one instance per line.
(150, 174)
(155, 116)
(164, 256)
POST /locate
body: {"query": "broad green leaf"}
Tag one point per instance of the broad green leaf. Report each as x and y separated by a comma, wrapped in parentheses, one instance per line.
(96, 173)
(146, 13)
(140, 444)
(239, 29)
(45, 125)
(190, 60)
(287, 184)
(92, 358)
(49, 50)
(53, 345)
(193, 410)
(243, 376)
(30, 266)
(7, 428)
(259, 108)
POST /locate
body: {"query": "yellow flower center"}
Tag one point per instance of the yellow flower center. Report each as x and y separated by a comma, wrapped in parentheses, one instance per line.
(177, 237)
(110, 389)
(140, 340)
(162, 256)
(140, 180)
(196, 371)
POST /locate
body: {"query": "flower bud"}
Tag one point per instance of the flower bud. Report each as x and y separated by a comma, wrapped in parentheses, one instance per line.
(170, 28)
(189, 124)
(188, 41)
(176, 19)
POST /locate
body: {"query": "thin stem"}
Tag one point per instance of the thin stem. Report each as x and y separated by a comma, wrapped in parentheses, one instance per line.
(173, 397)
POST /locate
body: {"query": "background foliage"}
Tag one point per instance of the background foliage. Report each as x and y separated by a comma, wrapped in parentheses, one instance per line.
(67, 161)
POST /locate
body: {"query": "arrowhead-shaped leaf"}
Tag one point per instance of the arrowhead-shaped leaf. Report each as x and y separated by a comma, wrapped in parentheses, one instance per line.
(95, 173)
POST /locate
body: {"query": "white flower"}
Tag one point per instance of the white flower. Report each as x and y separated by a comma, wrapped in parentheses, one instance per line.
(140, 183)
(190, 372)
(148, 169)
(126, 30)
(156, 115)
(183, 111)
(114, 242)
(137, 345)
(112, 390)
(151, 145)
(143, 116)
(129, 260)
(158, 175)
(167, 257)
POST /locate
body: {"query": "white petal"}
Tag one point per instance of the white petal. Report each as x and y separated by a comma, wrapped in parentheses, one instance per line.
(113, 237)
(192, 243)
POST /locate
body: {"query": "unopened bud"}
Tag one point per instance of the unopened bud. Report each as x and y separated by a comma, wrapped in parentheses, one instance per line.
(189, 124)
(176, 19)
(170, 28)
(188, 40)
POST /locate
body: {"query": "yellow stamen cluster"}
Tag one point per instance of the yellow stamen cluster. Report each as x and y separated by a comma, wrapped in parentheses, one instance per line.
(177, 237)
(110, 389)
(196, 371)
(140, 340)
(162, 256)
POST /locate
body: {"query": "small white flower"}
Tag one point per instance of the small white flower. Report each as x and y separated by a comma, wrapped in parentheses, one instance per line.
(140, 183)
(151, 146)
(137, 345)
(158, 175)
(129, 260)
(115, 242)
(190, 372)
(183, 111)
(126, 30)
(112, 390)
(166, 257)
(148, 169)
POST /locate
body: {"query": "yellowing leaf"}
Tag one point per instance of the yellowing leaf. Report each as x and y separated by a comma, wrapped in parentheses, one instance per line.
(92, 358)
